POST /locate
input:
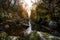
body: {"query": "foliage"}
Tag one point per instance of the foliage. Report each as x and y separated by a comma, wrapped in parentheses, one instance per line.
(32, 36)
(48, 9)
(6, 5)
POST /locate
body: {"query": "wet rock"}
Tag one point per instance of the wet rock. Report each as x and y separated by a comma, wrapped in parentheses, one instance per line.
(52, 24)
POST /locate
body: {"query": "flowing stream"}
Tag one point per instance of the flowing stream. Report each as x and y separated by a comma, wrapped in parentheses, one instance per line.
(28, 6)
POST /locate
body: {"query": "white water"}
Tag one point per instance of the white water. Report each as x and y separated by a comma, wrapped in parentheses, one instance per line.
(27, 4)
(29, 29)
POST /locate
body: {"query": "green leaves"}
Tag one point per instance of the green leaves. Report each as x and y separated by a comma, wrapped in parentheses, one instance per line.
(6, 5)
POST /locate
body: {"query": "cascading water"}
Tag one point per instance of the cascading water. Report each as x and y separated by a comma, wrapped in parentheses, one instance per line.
(27, 4)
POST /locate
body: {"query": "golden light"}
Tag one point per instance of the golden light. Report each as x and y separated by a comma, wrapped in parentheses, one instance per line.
(28, 6)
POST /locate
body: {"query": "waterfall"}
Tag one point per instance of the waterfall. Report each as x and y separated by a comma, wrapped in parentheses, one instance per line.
(27, 4)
